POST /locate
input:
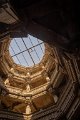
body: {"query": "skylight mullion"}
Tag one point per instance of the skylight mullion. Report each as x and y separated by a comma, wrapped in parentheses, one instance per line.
(30, 62)
(28, 51)
(15, 55)
(17, 44)
(22, 52)
(40, 46)
(11, 51)
(25, 59)
(31, 57)
(18, 59)
(34, 49)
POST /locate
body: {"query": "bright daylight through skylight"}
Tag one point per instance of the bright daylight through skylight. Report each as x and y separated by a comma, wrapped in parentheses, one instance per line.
(27, 51)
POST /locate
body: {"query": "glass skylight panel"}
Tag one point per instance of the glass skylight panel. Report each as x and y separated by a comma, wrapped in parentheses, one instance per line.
(22, 60)
(16, 60)
(42, 48)
(14, 47)
(11, 51)
(27, 51)
(33, 40)
(39, 51)
(28, 58)
(27, 42)
(34, 56)
(20, 44)
(39, 41)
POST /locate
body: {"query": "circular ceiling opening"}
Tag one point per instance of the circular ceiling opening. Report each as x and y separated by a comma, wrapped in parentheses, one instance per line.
(27, 51)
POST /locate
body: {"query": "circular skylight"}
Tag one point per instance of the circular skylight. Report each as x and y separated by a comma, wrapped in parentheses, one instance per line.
(27, 51)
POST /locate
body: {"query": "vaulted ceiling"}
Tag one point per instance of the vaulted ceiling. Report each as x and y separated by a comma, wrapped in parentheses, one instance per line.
(58, 24)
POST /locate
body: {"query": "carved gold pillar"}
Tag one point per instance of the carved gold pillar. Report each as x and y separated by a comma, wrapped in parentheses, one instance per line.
(28, 88)
(28, 109)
